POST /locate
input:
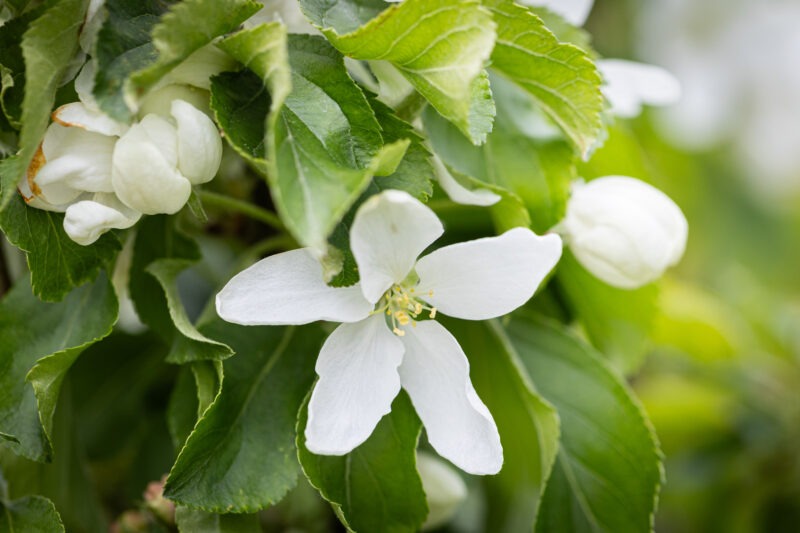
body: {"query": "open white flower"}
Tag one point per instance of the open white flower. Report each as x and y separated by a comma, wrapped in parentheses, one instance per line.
(382, 346)
(624, 231)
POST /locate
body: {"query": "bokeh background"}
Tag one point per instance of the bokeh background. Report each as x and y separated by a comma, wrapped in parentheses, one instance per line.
(722, 381)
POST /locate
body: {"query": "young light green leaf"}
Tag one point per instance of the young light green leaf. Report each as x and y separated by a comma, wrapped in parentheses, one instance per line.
(323, 141)
(528, 425)
(57, 263)
(38, 343)
(619, 322)
(194, 521)
(185, 28)
(561, 76)
(375, 487)
(241, 104)
(440, 46)
(47, 46)
(190, 345)
(608, 470)
(31, 513)
(241, 455)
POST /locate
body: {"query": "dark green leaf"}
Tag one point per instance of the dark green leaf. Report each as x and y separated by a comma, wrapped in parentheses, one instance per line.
(528, 425)
(561, 76)
(124, 46)
(619, 322)
(47, 46)
(185, 28)
(58, 264)
(12, 66)
(440, 46)
(241, 455)
(38, 343)
(194, 521)
(608, 471)
(30, 514)
(157, 238)
(323, 141)
(375, 487)
(189, 345)
(241, 103)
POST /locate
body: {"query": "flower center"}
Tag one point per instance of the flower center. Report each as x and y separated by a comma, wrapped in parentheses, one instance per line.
(403, 307)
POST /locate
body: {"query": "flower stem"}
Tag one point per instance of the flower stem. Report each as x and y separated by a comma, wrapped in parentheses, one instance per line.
(233, 204)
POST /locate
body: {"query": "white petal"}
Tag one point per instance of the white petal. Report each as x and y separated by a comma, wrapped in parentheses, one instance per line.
(435, 372)
(288, 288)
(143, 171)
(358, 380)
(84, 85)
(78, 115)
(630, 84)
(573, 11)
(75, 158)
(389, 232)
(199, 143)
(87, 220)
(457, 192)
(488, 277)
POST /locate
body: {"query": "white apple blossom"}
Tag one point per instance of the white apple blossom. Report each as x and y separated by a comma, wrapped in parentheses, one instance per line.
(383, 343)
(624, 231)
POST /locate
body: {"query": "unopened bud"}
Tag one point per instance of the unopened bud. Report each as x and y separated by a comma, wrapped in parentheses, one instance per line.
(444, 489)
(624, 231)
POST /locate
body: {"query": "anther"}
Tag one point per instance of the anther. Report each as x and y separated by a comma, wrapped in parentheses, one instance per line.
(399, 332)
(433, 312)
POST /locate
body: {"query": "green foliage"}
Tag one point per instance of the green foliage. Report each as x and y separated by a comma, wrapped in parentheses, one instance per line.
(32, 513)
(38, 343)
(619, 322)
(47, 47)
(241, 103)
(190, 345)
(440, 46)
(57, 263)
(528, 425)
(375, 487)
(560, 76)
(240, 456)
(608, 472)
(193, 521)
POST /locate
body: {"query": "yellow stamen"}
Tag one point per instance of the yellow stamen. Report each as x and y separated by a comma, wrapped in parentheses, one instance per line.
(433, 312)
(399, 332)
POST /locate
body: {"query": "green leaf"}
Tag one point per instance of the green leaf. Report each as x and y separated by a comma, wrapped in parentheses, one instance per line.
(241, 455)
(124, 46)
(440, 46)
(186, 27)
(609, 470)
(561, 76)
(57, 263)
(375, 487)
(12, 66)
(414, 173)
(618, 322)
(528, 425)
(157, 238)
(537, 172)
(190, 345)
(38, 343)
(323, 141)
(32, 513)
(47, 46)
(194, 521)
(241, 103)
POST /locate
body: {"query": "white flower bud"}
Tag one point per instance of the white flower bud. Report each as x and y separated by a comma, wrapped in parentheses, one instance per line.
(157, 161)
(624, 231)
(444, 489)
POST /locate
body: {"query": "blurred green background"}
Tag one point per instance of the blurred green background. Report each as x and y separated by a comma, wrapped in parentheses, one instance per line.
(722, 382)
